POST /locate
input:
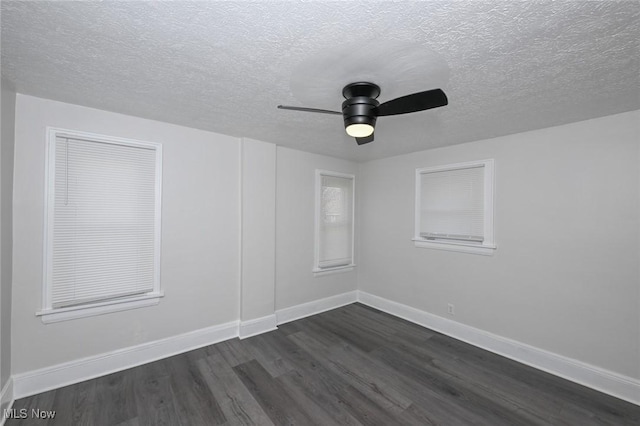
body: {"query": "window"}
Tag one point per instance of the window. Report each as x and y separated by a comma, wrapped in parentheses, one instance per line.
(454, 207)
(102, 234)
(334, 222)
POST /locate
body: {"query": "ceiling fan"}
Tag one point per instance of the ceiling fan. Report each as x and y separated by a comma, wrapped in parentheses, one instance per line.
(361, 109)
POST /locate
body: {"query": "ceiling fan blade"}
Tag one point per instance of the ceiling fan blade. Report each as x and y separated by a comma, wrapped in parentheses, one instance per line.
(412, 103)
(362, 141)
(323, 111)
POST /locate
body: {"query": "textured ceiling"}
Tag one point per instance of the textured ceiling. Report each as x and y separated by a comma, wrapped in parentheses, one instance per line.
(506, 67)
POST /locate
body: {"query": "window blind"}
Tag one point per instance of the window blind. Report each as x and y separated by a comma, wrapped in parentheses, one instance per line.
(452, 204)
(336, 222)
(103, 244)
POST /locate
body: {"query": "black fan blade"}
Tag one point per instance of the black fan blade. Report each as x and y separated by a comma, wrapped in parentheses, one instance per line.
(323, 111)
(362, 141)
(412, 103)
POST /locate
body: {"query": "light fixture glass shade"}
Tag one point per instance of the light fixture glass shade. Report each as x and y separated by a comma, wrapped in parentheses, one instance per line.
(359, 130)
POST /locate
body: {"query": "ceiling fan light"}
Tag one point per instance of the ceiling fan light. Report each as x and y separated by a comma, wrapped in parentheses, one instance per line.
(359, 130)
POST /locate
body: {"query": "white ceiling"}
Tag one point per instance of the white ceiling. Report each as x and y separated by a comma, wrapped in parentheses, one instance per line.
(506, 67)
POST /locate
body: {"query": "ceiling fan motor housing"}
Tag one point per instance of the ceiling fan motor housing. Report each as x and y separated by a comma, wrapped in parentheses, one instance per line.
(360, 106)
(360, 110)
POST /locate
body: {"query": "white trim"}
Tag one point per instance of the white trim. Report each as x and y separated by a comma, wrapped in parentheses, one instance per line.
(317, 272)
(37, 381)
(48, 314)
(257, 326)
(318, 207)
(315, 307)
(488, 245)
(6, 399)
(42, 380)
(609, 382)
(82, 311)
(33, 382)
(482, 249)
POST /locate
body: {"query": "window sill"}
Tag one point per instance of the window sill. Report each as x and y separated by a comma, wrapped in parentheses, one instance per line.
(484, 250)
(317, 272)
(73, 312)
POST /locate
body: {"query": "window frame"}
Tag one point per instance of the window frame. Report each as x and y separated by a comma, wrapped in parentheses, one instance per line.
(48, 314)
(488, 246)
(317, 270)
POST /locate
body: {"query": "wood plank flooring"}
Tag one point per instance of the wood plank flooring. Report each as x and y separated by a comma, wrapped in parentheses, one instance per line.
(350, 366)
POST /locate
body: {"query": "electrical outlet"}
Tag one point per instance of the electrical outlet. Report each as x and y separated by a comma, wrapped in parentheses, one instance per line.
(451, 309)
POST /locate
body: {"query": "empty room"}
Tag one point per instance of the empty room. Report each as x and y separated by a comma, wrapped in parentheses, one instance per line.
(320, 213)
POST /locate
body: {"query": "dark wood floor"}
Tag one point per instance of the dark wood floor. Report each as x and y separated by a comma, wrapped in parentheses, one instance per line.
(349, 366)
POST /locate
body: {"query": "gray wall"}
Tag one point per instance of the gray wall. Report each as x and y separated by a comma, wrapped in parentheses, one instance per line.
(565, 276)
(258, 229)
(295, 183)
(200, 236)
(7, 144)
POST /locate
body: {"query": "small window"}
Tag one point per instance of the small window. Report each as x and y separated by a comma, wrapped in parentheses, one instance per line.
(102, 236)
(334, 222)
(454, 207)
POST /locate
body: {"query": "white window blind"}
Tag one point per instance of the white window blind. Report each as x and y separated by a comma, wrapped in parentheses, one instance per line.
(452, 205)
(335, 222)
(105, 220)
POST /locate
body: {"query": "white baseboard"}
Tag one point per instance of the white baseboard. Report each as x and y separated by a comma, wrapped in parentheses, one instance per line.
(257, 326)
(42, 380)
(605, 381)
(71, 372)
(315, 307)
(33, 382)
(6, 399)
